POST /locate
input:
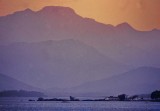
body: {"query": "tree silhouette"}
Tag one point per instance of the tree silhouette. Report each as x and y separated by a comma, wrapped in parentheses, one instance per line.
(122, 97)
(155, 95)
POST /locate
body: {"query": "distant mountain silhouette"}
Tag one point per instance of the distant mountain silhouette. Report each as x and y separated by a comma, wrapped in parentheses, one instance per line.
(56, 63)
(122, 42)
(28, 49)
(138, 81)
(8, 83)
(47, 24)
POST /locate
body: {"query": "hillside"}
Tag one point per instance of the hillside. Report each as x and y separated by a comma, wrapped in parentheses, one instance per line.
(56, 63)
(138, 81)
(8, 83)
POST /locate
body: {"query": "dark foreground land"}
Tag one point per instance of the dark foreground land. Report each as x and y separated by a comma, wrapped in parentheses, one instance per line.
(105, 99)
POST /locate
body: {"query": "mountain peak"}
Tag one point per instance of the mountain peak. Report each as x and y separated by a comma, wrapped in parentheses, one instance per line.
(156, 30)
(28, 10)
(22, 13)
(125, 26)
(57, 9)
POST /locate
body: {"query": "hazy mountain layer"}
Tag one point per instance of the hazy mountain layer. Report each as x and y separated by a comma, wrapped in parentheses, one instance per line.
(138, 81)
(94, 51)
(8, 83)
(122, 43)
(48, 64)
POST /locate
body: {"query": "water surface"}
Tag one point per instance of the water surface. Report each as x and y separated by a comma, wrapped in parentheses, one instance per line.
(22, 104)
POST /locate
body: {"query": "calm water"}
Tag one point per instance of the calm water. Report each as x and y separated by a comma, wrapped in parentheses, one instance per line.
(22, 104)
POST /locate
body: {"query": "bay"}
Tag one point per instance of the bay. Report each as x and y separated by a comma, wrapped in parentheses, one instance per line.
(22, 104)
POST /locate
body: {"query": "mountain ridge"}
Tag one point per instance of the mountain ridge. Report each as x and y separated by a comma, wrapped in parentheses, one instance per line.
(25, 51)
(9, 83)
(124, 83)
(59, 8)
(50, 61)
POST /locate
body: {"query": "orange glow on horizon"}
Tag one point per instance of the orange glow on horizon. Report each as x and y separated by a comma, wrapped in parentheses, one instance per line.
(141, 14)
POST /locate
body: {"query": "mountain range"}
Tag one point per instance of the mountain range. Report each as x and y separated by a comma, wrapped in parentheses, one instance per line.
(56, 63)
(122, 42)
(55, 47)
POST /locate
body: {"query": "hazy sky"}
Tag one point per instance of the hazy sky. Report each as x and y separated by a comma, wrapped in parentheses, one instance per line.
(141, 14)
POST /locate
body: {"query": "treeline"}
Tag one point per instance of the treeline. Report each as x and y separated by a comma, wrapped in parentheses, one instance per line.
(21, 93)
(154, 96)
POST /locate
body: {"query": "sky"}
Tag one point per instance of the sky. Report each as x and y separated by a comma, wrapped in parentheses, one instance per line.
(141, 14)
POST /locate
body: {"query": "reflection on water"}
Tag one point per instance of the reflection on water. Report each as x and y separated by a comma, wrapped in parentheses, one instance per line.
(22, 104)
